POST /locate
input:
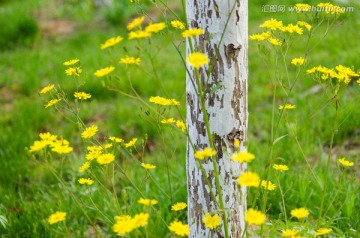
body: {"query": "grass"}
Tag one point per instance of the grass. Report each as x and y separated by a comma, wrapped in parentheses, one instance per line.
(30, 192)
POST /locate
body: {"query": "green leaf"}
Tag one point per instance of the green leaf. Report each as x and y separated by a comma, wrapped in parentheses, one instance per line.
(279, 139)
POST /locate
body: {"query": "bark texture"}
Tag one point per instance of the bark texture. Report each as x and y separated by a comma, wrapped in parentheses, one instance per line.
(226, 108)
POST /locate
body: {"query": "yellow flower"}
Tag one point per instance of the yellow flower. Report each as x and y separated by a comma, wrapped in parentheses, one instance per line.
(272, 24)
(147, 202)
(86, 181)
(298, 61)
(177, 24)
(205, 153)
(254, 217)
(168, 121)
(105, 158)
(82, 95)
(287, 107)
(57, 217)
(131, 143)
(141, 219)
(47, 89)
(304, 24)
(249, 179)
(130, 60)
(47, 136)
(123, 225)
(138, 34)
(38, 145)
(148, 166)
(211, 221)
(108, 145)
(181, 125)
(178, 206)
(192, 32)
(111, 42)
(299, 213)
(116, 139)
(71, 62)
(156, 27)
(242, 157)
(76, 71)
(89, 132)
(289, 233)
(164, 101)
(93, 154)
(274, 41)
(197, 59)
(280, 167)
(345, 162)
(52, 102)
(237, 143)
(85, 166)
(62, 149)
(268, 185)
(135, 23)
(179, 229)
(261, 36)
(302, 7)
(323, 231)
(291, 29)
(104, 71)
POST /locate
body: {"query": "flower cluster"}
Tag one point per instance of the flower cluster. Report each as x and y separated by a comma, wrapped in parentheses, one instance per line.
(125, 224)
(340, 73)
(60, 146)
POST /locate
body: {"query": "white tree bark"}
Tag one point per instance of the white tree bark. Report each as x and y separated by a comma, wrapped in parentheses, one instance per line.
(226, 108)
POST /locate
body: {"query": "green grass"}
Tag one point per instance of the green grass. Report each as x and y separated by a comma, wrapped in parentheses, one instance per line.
(30, 192)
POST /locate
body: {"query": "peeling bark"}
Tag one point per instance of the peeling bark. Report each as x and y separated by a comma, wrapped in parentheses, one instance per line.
(226, 108)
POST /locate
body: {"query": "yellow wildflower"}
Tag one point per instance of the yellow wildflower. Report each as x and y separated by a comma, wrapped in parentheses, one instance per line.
(274, 41)
(85, 166)
(105, 158)
(71, 62)
(104, 71)
(47, 136)
(156, 27)
(62, 149)
(123, 225)
(181, 125)
(47, 89)
(147, 202)
(168, 121)
(135, 23)
(192, 32)
(76, 71)
(138, 34)
(205, 153)
(141, 219)
(111, 42)
(52, 102)
(345, 162)
(177, 24)
(268, 185)
(164, 101)
(57, 217)
(148, 166)
(116, 139)
(178, 206)
(272, 24)
(38, 145)
(242, 157)
(82, 95)
(298, 61)
(254, 217)
(131, 143)
(323, 231)
(280, 167)
(93, 154)
(197, 59)
(237, 143)
(289, 233)
(261, 36)
(291, 29)
(299, 213)
(179, 229)
(211, 221)
(89, 132)
(304, 24)
(130, 60)
(249, 179)
(287, 107)
(86, 181)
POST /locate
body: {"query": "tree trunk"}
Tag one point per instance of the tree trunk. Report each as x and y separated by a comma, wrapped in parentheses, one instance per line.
(226, 109)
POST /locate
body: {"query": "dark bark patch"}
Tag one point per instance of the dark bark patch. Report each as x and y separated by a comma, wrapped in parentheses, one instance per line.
(231, 53)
